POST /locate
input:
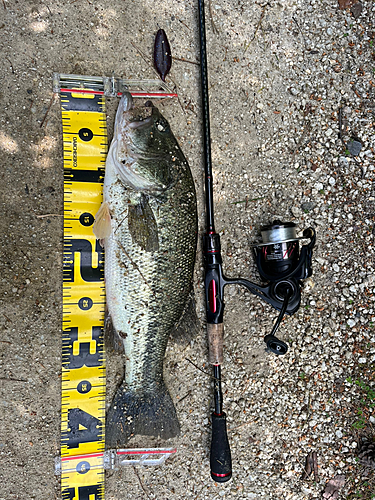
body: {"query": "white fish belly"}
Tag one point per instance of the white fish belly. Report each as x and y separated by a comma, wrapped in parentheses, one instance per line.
(127, 268)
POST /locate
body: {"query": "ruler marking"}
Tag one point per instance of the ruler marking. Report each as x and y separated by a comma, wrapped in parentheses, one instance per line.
(75, 388)
(95, 135)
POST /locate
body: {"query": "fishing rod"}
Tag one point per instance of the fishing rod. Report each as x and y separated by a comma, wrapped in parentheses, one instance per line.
(220, 459)
(280, 262)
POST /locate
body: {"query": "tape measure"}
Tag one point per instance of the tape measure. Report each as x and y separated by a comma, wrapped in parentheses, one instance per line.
(83, 457)
(83, 356)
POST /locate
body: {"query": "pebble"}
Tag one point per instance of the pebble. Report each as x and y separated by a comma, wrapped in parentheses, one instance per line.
(308, 205)
(354, 147)
(356, 10)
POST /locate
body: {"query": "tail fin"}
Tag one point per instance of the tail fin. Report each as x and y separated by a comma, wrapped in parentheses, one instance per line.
(150, 413)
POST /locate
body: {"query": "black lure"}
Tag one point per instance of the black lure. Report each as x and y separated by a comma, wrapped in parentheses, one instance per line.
(162, 54)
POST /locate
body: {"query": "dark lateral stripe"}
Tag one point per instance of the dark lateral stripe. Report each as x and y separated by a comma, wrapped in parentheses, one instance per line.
(73, 174)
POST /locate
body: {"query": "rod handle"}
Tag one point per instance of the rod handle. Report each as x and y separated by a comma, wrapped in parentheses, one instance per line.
(215, 335)
(220, 459)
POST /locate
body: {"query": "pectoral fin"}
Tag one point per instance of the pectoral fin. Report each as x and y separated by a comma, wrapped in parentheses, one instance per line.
(102, 226)
(142, 225)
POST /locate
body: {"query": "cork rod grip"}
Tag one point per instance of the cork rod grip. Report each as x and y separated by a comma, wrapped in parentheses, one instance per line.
(215, 335)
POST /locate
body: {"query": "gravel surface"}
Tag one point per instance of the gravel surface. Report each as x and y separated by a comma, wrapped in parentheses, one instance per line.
(292, 107)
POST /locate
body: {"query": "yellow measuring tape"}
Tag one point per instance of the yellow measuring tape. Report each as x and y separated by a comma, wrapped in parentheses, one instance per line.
(83, 356)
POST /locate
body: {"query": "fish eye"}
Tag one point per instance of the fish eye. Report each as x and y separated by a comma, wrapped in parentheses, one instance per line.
(162, 125)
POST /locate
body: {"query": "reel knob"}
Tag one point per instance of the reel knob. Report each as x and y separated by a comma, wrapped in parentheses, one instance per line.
(275, 345)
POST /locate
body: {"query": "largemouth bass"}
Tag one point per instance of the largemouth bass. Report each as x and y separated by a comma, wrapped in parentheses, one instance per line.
(148, 226)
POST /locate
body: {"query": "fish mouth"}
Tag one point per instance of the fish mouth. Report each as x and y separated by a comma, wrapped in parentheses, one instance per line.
(142, 117)
(141, 124)
(126, 103)
(137, 118)
(129, 148)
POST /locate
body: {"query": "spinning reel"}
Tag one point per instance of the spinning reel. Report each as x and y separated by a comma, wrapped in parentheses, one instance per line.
(280, 262)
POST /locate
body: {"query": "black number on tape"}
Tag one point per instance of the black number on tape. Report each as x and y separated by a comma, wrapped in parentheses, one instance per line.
(68, 494)
(84, 356)
(78, 175)
(85, 134)
(84, 248)
(84, 493)
(75, 435)
(81, 102)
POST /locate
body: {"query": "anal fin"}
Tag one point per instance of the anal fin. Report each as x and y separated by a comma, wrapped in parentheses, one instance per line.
(188, 325)
(112, 338)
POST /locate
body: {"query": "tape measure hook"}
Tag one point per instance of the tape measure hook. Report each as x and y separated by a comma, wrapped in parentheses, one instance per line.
(138, 456)
(114, 459)
(111, 86)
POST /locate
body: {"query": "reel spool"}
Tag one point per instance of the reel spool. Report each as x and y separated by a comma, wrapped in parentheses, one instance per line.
(280, 248)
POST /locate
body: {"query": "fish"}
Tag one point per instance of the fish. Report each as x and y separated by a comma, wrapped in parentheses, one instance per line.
(147, 224)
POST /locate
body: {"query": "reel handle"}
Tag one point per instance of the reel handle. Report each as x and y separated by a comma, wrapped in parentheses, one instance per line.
(275, 345)
(220, 459)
